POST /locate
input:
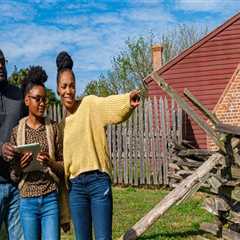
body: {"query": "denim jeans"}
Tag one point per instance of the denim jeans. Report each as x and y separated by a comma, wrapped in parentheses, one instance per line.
(90, 199)
(9, 211)
(40, 217)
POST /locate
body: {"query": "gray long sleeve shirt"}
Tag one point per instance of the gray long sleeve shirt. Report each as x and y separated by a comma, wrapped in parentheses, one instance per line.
(11, 110)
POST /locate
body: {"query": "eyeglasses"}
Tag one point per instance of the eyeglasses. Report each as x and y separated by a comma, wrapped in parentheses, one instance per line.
(39, 99)
(3, 61)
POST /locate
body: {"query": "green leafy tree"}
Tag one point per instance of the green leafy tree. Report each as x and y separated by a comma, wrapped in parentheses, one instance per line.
(98, 88)
(128, 70)
(17, 77)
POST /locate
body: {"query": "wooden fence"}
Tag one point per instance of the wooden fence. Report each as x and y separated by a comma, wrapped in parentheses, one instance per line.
(141, 148)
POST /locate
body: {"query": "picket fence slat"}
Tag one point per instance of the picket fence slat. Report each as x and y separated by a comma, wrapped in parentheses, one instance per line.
(168, 138)
(130, 134)
(141, 144)
(119, 149)
(125, 154)
(114, 153)
(147, 146)
(179, 123)
(158, 163)
(135, 153)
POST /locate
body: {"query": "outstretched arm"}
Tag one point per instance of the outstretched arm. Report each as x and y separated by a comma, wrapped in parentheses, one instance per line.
(116, 108)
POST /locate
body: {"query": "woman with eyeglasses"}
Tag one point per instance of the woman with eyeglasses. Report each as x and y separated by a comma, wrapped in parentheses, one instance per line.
(86, 158)
(39, 197)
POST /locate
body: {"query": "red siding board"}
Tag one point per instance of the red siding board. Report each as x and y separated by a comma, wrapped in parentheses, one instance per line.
(197, 74)
(192, 69)
(220, 52)
(224, 47)
(227, 36)
(209, 60)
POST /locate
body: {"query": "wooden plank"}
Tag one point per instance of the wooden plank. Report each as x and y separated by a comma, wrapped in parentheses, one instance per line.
(194, 152)
(164, 165)
(211, 116)
(230, 235)
(227, 128)
(141, 144)
(225, 70)
(125, 153)
(119, 147)
(168, 138)
(59, 113)
(114, 153)
(152, 142)
(109, 139)
(135, 138)
(209, 228)
(147, 142)
(130, 135)
(50, 112)
(202, 238)
(54, 112)
(174, 123)
(156, 142)
(215, 137)
(176, 195)
(179, 124)
(192, 68)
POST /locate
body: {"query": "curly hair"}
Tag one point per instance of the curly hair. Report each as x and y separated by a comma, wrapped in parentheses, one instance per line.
(36, 76)
(64, 63)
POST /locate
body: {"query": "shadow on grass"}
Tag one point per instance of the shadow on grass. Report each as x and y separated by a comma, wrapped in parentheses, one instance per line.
(173, 234)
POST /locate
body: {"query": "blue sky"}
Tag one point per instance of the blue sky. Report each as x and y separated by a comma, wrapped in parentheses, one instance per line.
(93, 32)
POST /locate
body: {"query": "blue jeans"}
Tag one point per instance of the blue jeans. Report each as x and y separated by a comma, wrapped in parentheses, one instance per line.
(40, 217)
(90, 199)
(9, 211)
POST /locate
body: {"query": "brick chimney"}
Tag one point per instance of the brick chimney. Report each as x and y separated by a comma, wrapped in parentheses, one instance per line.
(157, 56)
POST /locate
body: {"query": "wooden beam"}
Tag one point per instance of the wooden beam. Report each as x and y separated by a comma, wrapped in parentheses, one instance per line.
(230, 235)
(227, 128)
(184, 105)
(209, 228)
(180, 192)
(211, 116)
(194, 152)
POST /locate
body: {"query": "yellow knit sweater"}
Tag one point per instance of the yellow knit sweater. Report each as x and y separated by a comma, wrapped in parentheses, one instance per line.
(85, 144)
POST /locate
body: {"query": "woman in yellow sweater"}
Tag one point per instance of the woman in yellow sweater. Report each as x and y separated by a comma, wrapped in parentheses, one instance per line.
(86, 158)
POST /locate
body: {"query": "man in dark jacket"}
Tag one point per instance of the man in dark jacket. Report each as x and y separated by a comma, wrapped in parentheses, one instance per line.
(11, 110)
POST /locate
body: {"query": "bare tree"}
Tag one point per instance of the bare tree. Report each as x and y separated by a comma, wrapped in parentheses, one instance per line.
(179, 39)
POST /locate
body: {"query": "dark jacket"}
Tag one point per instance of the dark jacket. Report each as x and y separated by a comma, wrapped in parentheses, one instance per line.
(11, 111)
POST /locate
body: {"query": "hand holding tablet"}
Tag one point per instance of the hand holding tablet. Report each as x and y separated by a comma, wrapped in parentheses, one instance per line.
(33, 148)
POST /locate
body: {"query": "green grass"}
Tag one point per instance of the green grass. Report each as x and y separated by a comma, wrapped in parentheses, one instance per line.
(179, 223)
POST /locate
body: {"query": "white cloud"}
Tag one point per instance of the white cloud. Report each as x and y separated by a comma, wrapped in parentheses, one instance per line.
(16, 11)
(107, 18)
(148, 15)
(146, 2)
(70, 20)
(207, 5)
(85, 5)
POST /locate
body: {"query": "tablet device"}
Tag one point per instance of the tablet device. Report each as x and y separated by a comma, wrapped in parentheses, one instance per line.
(34, 148)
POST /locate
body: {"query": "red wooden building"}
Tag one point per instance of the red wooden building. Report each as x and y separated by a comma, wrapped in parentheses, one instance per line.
(209, 69)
